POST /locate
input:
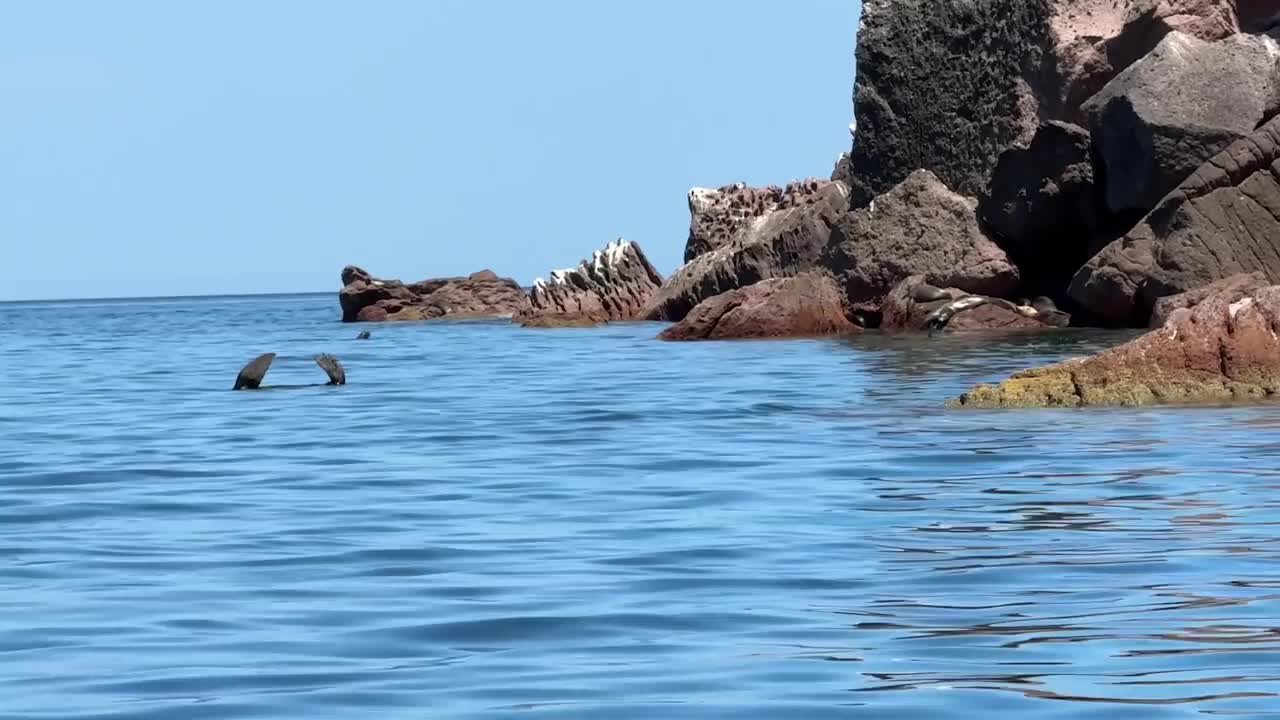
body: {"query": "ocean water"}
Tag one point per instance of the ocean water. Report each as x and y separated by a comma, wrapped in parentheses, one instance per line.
(491, 522)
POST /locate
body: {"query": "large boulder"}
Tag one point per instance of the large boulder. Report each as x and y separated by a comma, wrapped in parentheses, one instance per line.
(1044, 206)
(365, 298)
(942, 85)
(807, 305)
(1221, 221)
(1225, 348)
(1157, 121)
(917, 228)
(909, 304)
(782, 242)
(614, 284)
(718, 215)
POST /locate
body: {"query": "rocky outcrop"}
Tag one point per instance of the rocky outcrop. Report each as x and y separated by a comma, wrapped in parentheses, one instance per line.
(917, 228)
(716, 216)
(1223, 349)
(613, 285)
(941, 85)
(1221, 221)
(911, 302)
(1044, 206)
(1094, 40)
(1157, 121)
(365, 298)
(1236, 287)
(807, 305)
(780, 243)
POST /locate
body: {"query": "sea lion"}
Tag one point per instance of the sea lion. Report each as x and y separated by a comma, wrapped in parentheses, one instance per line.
(926, 293)
(251, 375)
(364, 335)
(938, 319)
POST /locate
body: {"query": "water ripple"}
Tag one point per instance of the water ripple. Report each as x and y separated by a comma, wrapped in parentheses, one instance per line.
(492, 522)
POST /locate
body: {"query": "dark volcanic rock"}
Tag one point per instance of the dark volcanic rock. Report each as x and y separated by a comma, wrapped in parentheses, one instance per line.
(948, 85)
(941, 85)
(1236, 287)
(904, 311)
(1044, 207)
(807, 305)
(917, 228)
(1156, 122)
(1221, 221)
(365, 298)
(1224, 348)
(716, 216)
(614, 284)
(780, 243)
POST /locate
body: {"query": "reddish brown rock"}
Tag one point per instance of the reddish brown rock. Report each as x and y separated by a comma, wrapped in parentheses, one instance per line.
(365, 298)
(906, 308)
(1221, 221)
(615, 284)
(718, 215)
(1233, 288)
(807, 305)
(1225, 348)
(917, 228)
(780, 243)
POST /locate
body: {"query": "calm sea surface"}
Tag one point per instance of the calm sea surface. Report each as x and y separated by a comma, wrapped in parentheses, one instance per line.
(490, 522)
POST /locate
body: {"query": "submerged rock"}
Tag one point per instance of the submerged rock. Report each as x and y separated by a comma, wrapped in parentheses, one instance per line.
(1221, 221)
(807, 305)
(780, 243)
(614, 284)
(1224, 348)
(918, 228)
(365, 298)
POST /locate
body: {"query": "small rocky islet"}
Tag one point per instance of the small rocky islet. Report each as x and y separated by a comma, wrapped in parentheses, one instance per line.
(1119, 162)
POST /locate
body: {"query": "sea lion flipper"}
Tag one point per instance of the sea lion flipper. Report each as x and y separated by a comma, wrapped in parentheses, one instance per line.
(251, 375)
(332, 368)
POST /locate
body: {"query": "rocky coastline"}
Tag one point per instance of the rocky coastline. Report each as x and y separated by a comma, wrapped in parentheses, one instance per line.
(1119, 162)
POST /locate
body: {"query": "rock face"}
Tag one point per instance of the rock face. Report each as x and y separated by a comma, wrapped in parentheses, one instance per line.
(942, 85)
(614, 284)
(1094, 40)
(780, 243)
(365, 298)
(1220, 350)
(1157, 121)
(1044, 206)
(716, 216)
(917, 228)
(1221, 221)
(807, 305)
(904, 311)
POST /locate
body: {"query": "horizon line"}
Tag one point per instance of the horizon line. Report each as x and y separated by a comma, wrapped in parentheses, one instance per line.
(192, 296)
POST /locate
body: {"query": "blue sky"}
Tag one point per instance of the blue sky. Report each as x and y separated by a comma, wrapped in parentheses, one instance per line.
(160, 148)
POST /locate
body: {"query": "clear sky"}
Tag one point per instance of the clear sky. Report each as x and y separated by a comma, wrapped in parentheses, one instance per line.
(200, 147)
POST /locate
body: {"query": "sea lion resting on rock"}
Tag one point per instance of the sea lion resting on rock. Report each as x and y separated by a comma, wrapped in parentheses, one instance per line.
(250, 377)
(1041, 309)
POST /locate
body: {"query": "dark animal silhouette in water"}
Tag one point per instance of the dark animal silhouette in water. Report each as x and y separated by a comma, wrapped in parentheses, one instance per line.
(364, 335)
(250, 377)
